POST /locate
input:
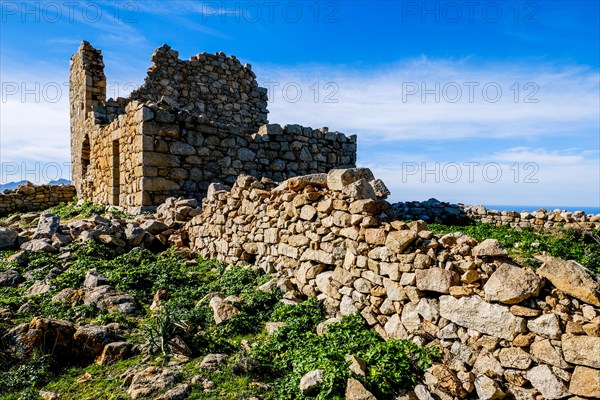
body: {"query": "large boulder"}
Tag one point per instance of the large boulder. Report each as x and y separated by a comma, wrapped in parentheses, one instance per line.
(151, 380)
(547, 325)
(436, 279)
(91, 339)
(585, 382)
(222, 310)
(397, 241)
(179, 392)
(39, 245)
(107, 298)
(488, 389)
(543, 350)
(582, 350)
(47, 226)
(489, 248)
(337, 179)
(571, 278)
(356, 391)
(8, 237)
(10, 278)
(359, 190)
(514, 357)
(213, 362)
(311, 381)
(543, 379)
(298, 183)
(94, 279)
(510, 284)
(43, 334)
(113, 352)
(475, 313)
(153, 226)
(214, 189)
(134, 234)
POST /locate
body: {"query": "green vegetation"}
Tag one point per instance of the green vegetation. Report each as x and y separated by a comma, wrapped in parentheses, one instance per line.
(23, 378)
(266, 365)
(104, 381)
(524, 244)
(296, 349)
(269, 366)
(84, 210)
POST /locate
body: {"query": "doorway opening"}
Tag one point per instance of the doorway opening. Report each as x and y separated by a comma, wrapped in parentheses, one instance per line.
(116, 173)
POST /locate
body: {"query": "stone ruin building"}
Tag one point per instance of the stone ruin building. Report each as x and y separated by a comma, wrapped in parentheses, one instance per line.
(189, 124)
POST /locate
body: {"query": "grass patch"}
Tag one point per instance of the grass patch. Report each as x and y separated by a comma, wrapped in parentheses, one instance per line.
(271, 369)
(84, 209)
(524, 244)
(105, 381)
(19, 381)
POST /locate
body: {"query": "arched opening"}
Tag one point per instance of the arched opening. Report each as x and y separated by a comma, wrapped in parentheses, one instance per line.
(85, 156)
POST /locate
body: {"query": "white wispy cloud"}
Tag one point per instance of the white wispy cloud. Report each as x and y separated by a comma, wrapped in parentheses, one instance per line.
(379, 105)
(566, 157)
(515, 175)
(369, 103)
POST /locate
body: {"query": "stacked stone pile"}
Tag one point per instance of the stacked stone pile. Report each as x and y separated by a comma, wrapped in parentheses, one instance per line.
(30, 197)
(436, 211)
(504, 330)
(46, 231)
(432, 211)
(541, 218)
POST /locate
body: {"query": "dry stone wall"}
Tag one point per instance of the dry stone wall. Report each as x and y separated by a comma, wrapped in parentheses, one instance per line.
(433, 210)
(504, 330)
(541, 218)
(30, 197)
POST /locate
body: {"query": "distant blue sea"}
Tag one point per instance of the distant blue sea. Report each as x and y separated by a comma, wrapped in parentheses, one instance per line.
(587, 210)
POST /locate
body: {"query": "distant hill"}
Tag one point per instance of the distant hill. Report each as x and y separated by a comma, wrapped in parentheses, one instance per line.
(60, 182)
(10, 185)
(14, 185)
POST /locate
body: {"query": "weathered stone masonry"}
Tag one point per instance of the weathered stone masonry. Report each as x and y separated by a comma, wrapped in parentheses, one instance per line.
(191, 123)
(504, 330)
(29, 197)
(437, 211)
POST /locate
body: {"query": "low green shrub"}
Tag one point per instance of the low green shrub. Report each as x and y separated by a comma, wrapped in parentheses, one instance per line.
(292, 351)
(85, 209)
(27, 376)
(524, 244)
(73, 209)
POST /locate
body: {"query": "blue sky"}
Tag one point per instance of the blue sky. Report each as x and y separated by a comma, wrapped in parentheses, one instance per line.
(492, 102)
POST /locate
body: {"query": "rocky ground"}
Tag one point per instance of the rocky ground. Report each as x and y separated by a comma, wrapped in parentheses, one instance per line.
(112, 306)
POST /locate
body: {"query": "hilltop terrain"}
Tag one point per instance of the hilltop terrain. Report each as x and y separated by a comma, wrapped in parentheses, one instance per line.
(96, 303)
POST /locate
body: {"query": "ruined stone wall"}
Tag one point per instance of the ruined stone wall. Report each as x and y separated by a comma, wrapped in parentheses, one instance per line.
(214, 85)
(503, 329)
(30, 197)
(115, 170)
(191, 123)
(541, 218)
(87, 90)
(437, 211)
(183, 153)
